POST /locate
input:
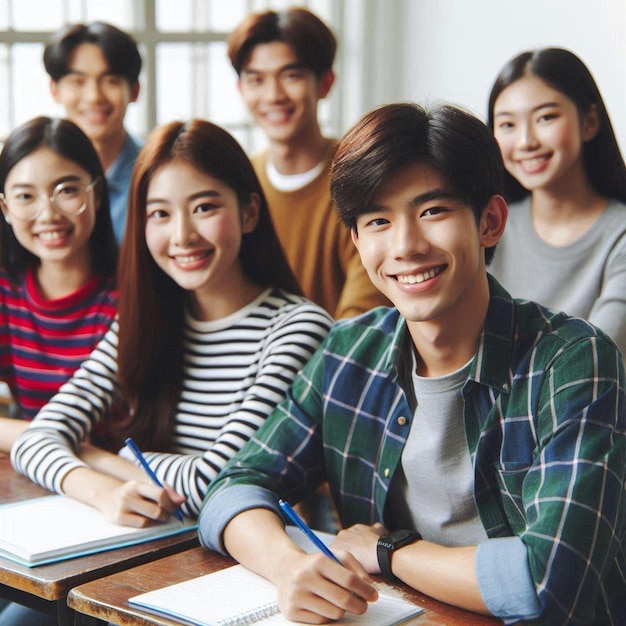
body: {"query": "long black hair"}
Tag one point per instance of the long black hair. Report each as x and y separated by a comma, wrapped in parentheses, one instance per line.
(565, 72)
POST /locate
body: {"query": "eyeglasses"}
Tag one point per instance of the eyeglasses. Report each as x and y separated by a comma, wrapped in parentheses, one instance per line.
(69, 198)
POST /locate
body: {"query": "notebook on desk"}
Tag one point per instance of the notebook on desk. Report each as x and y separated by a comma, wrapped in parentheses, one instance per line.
(55, 528)
(235, 596)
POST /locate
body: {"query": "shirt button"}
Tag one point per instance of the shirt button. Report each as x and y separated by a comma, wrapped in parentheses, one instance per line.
(387, 472)
(402, 420)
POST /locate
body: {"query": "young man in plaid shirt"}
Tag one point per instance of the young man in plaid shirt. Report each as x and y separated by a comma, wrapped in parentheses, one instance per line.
(475, 445)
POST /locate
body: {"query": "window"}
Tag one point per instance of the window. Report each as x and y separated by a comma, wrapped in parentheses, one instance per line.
(185, 74)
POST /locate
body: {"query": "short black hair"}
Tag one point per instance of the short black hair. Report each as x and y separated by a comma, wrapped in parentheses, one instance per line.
(450, 140)
(119, 49)
(67, 140)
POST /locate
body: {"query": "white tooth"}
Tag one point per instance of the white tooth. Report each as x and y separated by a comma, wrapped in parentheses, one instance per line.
(532, 163)
(417, 278)
(189, 259)
(51, 236)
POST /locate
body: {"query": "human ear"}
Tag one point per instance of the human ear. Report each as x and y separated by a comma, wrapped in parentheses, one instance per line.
(134, 92)
(5, 212)
(590, 124)
(54, 90)
(355, 237)
(250, 214)
(493, 221)
(325, 83)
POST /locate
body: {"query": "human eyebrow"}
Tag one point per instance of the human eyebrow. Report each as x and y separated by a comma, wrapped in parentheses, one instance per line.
(210, 193)
(22, 186)
(293, 66)
(70, 178)
(535, 109)
(432, 195)
(546, 106)
(373, 208)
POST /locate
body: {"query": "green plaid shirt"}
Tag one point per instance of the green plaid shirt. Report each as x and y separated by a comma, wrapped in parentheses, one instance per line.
(545, 423)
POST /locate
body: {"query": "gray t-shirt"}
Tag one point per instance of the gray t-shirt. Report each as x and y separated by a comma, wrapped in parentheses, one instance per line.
(433, 489)
(586, 278)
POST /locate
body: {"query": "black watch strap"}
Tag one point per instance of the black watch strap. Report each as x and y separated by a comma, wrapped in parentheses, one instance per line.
(386, 546)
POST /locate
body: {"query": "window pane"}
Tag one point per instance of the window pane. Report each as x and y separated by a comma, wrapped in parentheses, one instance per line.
(37, 14)
(30, 97)
(174, 84)
(173, 16)
(117, 12)
(224, 15)
(4, 15)
(5, 93)
(225, 104)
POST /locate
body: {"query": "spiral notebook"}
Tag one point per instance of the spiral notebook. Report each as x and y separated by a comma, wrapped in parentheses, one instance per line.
(235, 596)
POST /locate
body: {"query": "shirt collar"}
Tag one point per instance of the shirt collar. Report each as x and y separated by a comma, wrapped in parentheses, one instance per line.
(492, 365)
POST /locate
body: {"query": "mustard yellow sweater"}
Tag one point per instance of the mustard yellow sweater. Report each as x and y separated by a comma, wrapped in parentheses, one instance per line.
(318, 246)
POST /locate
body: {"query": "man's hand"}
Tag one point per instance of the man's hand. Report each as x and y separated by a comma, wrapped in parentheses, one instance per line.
(361, 540)
(315, 589)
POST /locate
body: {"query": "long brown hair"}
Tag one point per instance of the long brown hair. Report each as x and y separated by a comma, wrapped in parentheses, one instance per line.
(151, 304)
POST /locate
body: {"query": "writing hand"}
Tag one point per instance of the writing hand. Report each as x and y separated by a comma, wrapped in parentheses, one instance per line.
(315, 589)
(138, 503)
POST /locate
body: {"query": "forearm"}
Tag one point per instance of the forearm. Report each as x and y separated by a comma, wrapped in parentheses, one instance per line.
(257, 539)
(447, 574)
(111, 464)
(10, 429)
(89, 486)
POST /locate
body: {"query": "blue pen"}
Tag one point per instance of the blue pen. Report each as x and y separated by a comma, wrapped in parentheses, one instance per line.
(140, 457)
(299, 522)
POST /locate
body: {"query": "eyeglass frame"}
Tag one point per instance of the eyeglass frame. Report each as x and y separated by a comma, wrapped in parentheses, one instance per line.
(52, 199)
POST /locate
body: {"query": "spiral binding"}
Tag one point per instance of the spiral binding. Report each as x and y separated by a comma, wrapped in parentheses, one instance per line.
(252, 616)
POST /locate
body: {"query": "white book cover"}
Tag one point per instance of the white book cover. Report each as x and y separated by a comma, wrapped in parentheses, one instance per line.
(54, 528)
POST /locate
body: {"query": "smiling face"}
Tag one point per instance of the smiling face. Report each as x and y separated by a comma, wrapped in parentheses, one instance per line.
(281, 94)
(423, 249)
(55, 238)
(541, 134)
(94, 99)
(194, 226)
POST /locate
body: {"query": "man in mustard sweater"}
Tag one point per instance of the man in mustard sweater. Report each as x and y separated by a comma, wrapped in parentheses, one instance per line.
(284, 64)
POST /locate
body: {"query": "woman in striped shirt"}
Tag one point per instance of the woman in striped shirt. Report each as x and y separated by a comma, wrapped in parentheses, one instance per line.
(212, 329)
(58, 259)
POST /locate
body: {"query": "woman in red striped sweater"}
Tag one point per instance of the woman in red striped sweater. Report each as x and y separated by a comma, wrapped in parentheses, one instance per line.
(58, 260)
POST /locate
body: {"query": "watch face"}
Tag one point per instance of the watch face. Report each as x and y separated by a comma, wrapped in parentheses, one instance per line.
(401, 535)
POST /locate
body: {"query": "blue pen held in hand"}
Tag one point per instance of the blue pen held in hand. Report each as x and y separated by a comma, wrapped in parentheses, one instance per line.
(132, 446)
(299, 522)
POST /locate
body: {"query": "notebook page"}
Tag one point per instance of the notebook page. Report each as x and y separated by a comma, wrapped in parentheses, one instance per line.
(53, 526)
(219, 598)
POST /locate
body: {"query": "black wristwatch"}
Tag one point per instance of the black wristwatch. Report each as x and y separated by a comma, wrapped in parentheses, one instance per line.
(387, 544)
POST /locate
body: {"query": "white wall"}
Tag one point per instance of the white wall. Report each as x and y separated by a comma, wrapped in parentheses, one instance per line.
(453, 49)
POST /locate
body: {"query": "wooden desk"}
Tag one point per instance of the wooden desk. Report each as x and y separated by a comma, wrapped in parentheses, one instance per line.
(46, 587)
(107, 598)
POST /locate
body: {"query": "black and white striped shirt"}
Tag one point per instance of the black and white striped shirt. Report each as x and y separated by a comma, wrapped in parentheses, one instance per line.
(236, 370)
